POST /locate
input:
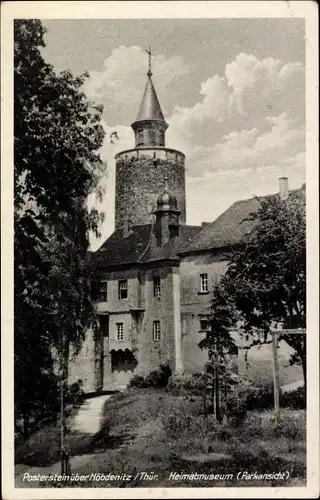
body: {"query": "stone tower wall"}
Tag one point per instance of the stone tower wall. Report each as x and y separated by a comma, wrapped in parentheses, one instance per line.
(140, 179)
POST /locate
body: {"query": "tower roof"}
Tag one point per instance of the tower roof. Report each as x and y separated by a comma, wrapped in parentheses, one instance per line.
(150, 107)
(167, 200)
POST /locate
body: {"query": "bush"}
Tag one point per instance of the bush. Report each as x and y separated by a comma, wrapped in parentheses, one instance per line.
(260, 398)
(186, 383)
(73, 397)
(236, 408)
(248, 398)
(137, 381)
(157, 378)
(294, 399)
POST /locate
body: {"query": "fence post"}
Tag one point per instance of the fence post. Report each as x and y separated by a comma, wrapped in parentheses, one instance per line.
(276, 384)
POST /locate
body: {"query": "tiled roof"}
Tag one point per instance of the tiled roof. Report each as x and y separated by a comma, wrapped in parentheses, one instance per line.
(230, 227)
(140, 246)
(120, 250)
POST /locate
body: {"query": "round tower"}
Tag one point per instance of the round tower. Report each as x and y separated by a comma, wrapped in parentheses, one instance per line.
(140, 171)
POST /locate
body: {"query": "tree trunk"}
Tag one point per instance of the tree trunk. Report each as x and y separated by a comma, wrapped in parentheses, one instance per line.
(217, 390)
(304, 368)
(64, 360)
(26, 425)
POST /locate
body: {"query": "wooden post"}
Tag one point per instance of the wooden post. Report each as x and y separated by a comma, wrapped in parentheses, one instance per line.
(276, 384)
(63, 379)
(62, 426)
(205, 412)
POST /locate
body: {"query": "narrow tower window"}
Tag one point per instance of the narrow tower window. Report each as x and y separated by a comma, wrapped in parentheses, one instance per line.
(123, 289)
(157, 287)
(156, 331)
(119, 331)
(204, 283)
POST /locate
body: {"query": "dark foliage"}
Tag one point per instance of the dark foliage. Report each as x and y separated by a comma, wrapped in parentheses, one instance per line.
(57, 134)
(294, 399)
(266, 277)
(158, 378)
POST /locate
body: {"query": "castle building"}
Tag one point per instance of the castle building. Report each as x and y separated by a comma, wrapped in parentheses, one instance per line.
(154, 274)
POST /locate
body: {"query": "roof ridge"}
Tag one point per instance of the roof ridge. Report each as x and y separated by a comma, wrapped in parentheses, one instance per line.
(206, 228)
(263, 196)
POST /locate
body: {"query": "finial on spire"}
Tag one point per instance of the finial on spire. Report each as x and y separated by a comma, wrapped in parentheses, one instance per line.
(166, 186)
(149, 54)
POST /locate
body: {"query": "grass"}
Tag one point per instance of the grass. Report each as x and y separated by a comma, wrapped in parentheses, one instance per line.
(154, 430)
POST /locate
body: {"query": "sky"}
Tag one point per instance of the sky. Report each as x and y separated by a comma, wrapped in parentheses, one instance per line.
(231, 90)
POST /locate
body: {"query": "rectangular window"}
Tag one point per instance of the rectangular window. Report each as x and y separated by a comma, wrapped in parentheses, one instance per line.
(204, 283)
(156, 287)
(104, 324)
(119, 331)
(156, 331)
(103, 291)
(123, 289)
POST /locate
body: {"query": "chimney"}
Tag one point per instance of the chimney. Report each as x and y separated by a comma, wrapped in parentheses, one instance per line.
(205, 224)
(283, 188)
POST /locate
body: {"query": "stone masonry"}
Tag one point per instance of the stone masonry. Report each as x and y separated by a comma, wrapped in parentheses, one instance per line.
(140, 177)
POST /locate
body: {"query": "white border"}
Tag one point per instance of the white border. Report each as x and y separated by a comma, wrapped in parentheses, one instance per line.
(158, 9)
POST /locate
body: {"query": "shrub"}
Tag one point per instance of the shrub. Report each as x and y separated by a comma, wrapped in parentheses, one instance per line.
(137, 381)
(157, 378)
(295, 399)
(186, 383)
(260, 398)
(236, 408)
(73, 397)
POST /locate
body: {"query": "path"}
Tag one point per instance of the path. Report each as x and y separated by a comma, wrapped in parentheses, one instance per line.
(89, 415)
(87, 420)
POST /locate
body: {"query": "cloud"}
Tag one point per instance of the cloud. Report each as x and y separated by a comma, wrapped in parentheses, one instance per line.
(212, 193)
(253, 113)
(264, 85)
(246, 128)
(119, 85)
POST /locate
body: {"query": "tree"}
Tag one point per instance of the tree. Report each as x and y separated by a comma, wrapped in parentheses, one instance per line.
(57, 137)
(219, 341)
(266, 276)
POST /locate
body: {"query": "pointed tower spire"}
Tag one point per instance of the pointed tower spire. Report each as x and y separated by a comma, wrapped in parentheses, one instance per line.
(149, 54)
(150, 125)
